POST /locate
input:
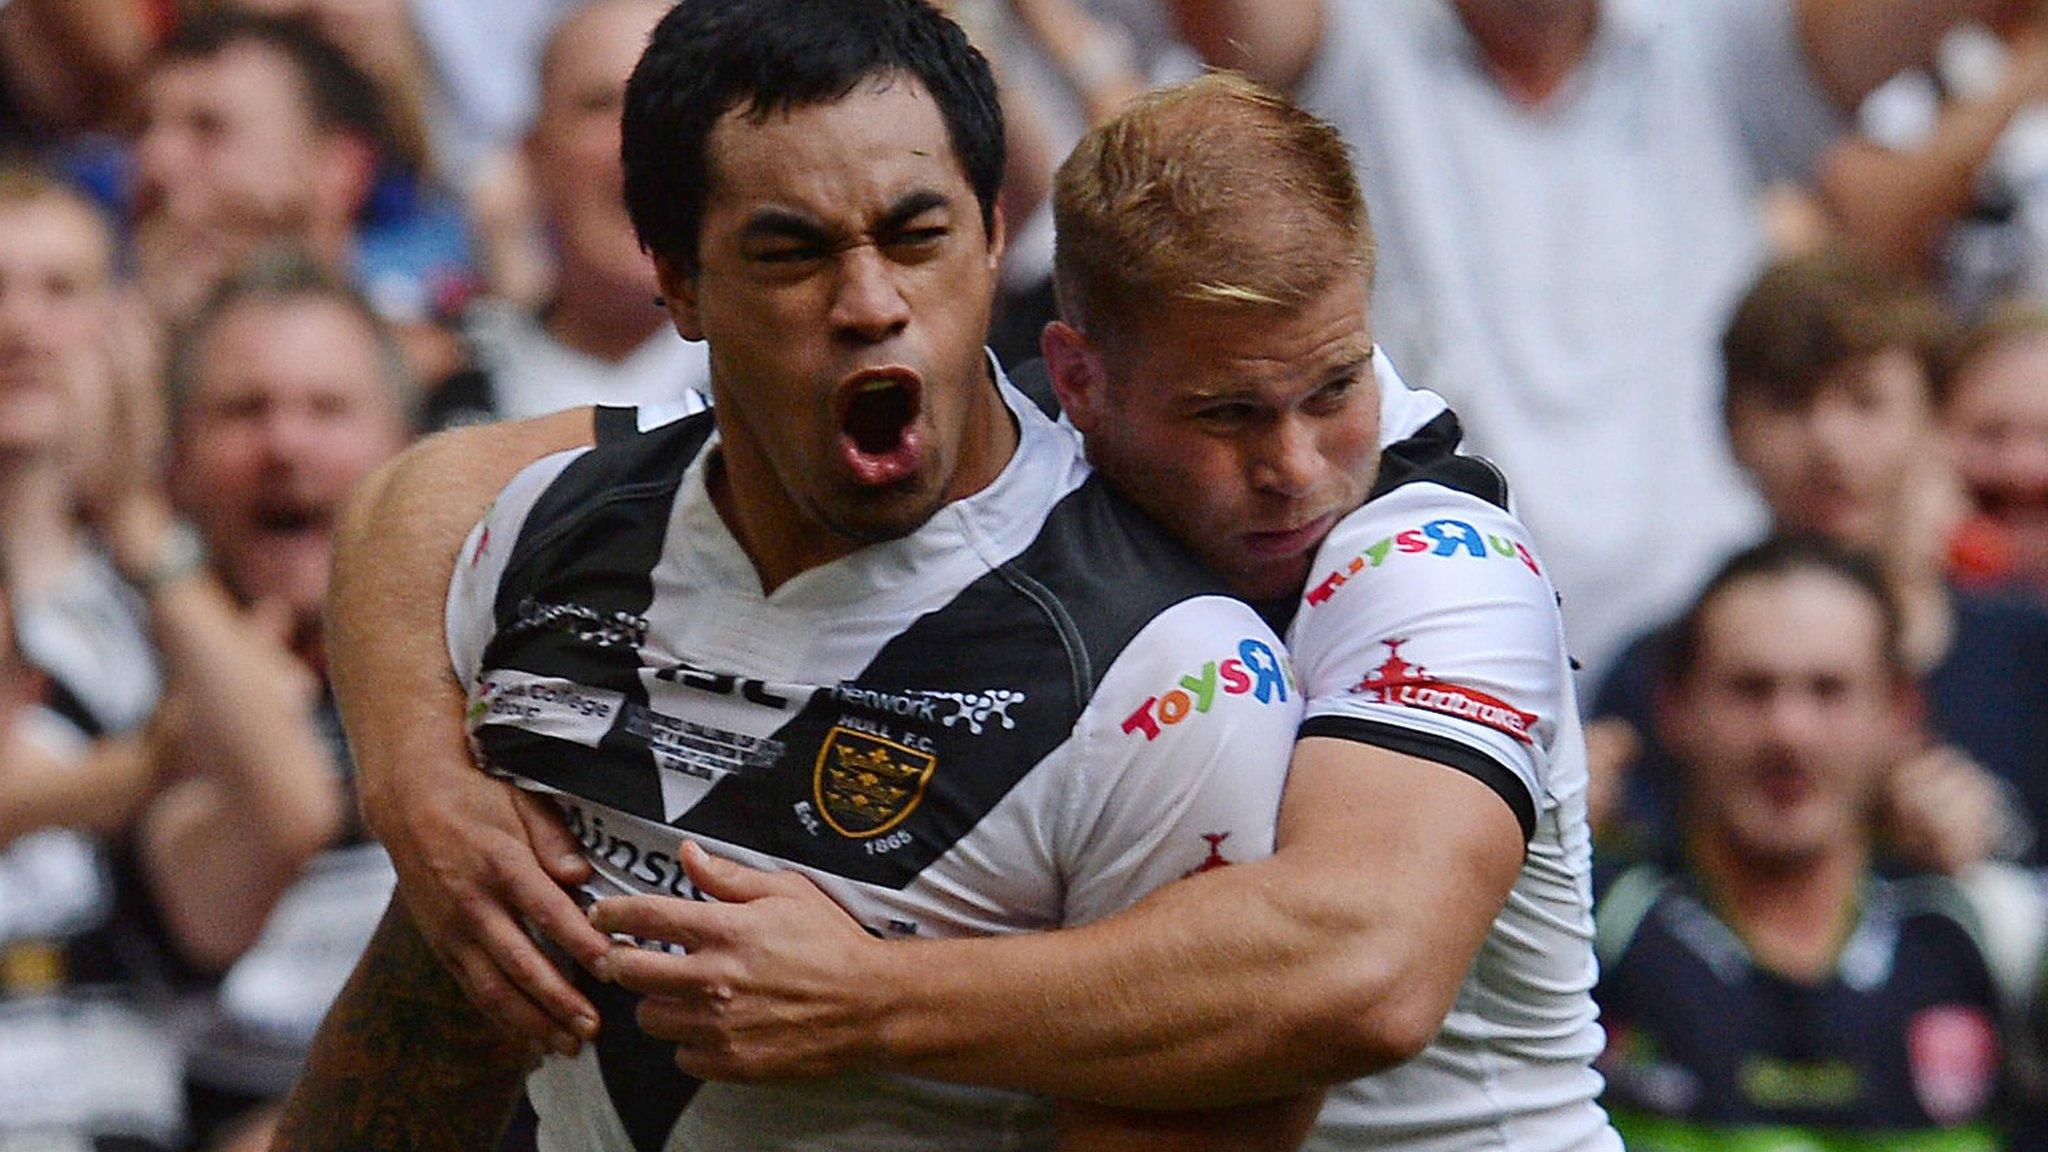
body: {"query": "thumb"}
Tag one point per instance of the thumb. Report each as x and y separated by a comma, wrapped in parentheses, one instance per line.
(723, 879)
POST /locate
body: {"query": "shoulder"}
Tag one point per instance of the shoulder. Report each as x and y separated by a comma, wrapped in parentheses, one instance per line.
(1430, 539)
(1100, 572)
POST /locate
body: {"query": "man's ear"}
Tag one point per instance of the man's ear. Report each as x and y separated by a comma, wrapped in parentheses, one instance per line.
(679, 296)
(998, 237)
(1077, 374)
(344, 174)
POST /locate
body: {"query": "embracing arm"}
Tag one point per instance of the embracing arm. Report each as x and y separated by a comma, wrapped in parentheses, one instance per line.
(468, 849)
(402, 1062)
(1337, 957)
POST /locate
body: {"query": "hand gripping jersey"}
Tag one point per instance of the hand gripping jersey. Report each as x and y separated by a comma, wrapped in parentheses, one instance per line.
(1430, 629)
(1027, 714)
(1898, 1048)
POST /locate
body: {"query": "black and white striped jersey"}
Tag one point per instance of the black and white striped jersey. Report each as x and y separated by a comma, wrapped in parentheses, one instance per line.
(1027, 714)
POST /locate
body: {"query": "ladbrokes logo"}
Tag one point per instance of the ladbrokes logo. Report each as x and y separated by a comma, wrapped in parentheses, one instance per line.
(1436, 538)
(1255, 671)
(1396, 681)
(865, 785)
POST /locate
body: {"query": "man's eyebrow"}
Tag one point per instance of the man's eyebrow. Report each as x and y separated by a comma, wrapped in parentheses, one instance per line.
(909, 207)
(783, 224)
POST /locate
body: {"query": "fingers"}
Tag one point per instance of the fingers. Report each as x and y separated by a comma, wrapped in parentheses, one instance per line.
(726, 880)
(665, 918)
(498, 999)
(516, 959)
(558, 851)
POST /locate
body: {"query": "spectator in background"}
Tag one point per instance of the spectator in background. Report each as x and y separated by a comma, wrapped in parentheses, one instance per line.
(257, 132)
(598, 337)
(1565, 196)
(286, 392)
(66, 350)
(1994, 410)
(1762, 986)
(1828, 410)
(88, 1059)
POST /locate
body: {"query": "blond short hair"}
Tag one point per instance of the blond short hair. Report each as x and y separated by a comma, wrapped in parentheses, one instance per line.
(1216, 191)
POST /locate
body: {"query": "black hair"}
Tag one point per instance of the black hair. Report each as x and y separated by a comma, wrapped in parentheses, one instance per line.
(340, 96)
(1781, 556)
(708, 57)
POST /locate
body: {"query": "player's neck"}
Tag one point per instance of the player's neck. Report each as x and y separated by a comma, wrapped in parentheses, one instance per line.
(1793, 915)
(784, 540)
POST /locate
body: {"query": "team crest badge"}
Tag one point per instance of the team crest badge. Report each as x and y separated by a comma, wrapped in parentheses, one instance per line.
(865, 785)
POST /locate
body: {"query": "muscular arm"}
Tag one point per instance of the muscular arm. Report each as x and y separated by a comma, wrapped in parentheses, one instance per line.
(464, 845)
(402, 1063)
(1337, 957)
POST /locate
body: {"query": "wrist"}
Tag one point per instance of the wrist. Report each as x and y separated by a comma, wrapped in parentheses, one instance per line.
(175, 554)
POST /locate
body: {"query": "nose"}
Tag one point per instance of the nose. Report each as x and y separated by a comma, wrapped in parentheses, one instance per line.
(868, 305)
(1790, 718)
(1286, 462)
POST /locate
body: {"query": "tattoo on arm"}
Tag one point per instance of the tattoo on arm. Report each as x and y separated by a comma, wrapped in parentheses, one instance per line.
(403, 1061)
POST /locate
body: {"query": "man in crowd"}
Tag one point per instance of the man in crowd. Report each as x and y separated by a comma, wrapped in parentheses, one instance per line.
(596, 339)
(1760, 983)
(1429, 642)
(67, 353)
(1566, 195)
(286, 392)
(255, 133)
(894, 638)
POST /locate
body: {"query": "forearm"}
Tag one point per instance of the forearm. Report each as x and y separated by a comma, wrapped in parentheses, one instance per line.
(1167, 1005)
(402, 1062)
(1901, 204)
(1856, 45)
(100, 795)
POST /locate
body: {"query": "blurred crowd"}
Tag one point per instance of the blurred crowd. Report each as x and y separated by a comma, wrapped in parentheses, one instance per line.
(1752, 310)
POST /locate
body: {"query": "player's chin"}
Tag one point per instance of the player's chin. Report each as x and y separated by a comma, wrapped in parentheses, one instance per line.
(875, 515)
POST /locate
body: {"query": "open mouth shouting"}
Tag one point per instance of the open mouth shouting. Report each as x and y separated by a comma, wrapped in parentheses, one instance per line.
(879, 437)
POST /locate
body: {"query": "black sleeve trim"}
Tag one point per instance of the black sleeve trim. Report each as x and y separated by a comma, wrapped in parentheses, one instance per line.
(611, 422)
(1441, 750)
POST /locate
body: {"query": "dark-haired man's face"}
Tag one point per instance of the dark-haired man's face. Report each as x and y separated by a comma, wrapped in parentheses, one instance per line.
(844, 288)
(1840, 464)
(1788, 715)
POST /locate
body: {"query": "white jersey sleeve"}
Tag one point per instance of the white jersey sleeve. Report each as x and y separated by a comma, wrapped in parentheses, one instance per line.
(1178, 761)
(473, 590)
(1429, 628)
